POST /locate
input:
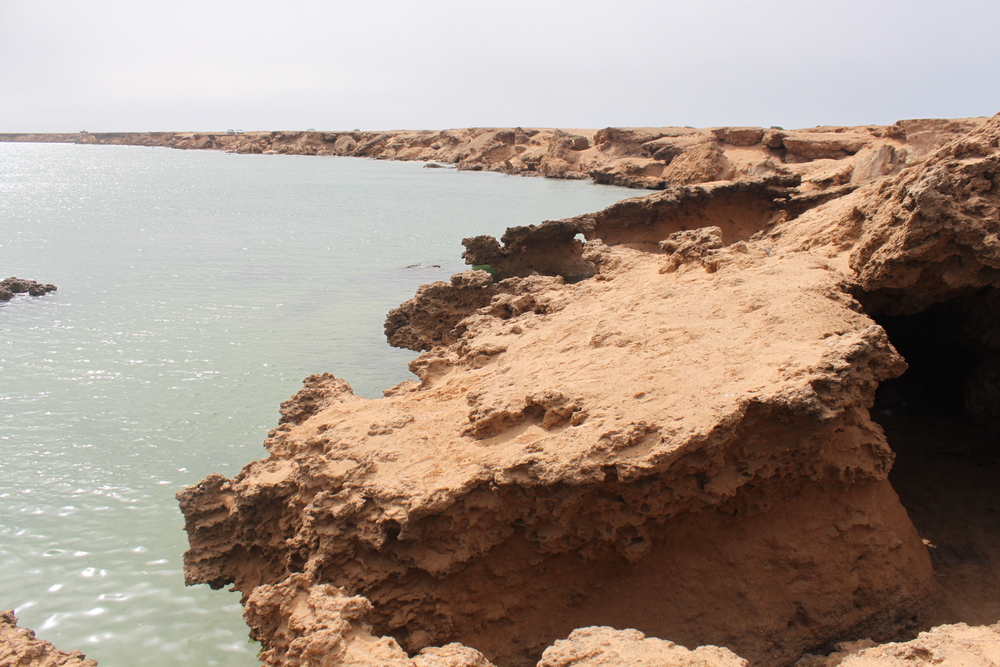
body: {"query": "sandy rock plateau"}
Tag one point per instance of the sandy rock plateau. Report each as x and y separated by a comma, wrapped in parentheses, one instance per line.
(656, 419)
(749, 418)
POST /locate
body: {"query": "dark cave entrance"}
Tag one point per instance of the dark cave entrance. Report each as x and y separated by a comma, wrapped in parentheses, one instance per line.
(942, 419)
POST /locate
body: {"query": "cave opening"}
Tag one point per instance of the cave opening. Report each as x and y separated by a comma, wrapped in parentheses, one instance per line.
(942, 419)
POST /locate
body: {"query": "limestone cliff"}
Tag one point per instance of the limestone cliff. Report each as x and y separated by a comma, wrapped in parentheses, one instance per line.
(657, 417)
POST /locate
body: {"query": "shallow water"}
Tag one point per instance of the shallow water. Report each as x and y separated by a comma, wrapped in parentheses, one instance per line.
(196, 290)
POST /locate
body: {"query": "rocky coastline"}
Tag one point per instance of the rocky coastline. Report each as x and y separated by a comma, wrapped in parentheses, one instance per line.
(645, 158)
(655, 418)
(698, 427)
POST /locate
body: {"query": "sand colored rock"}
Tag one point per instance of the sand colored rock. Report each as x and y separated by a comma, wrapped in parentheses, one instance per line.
(945, 645)
(20, 648)
(323, 627)
(958, 645)
(607, 647)
(933, 232)
(656, 418)
(805, 146)
(647, 158)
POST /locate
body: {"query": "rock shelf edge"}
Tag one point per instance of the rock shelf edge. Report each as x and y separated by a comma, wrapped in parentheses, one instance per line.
(655, 420)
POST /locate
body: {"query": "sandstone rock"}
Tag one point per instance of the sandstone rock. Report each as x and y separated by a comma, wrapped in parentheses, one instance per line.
(622, 156)
(558, 167)
(574, 442)
(804, 146)
(739, 136)
(665, 427)
(631, 173)
(956, 644)
(844, 649)
(319, 391)
(699, 164)
(344, 144)
(945, 645)
(934, 230)
(877, 160)
(20, 648)
(773, 138)
(428, 319)
(691, 246)
(664, 150)
(824, 173)
(928, 135)
(607, 647)
(326, 628)
(625, 142)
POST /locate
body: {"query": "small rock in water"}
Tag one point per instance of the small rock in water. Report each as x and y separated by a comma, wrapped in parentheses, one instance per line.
(13, 285)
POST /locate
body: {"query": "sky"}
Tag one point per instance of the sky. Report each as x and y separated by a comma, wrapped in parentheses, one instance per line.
(213, 65)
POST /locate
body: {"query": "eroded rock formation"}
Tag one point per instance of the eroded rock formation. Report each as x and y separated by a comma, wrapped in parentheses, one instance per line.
(13, 285)
(956, 644)
(649, 158)
(607, 647)
(653, 418)
(20, 648)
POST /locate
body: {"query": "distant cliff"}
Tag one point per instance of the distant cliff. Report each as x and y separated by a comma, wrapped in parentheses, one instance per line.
(649, 158)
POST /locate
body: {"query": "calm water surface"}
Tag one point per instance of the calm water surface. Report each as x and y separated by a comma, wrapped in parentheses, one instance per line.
(196, 290)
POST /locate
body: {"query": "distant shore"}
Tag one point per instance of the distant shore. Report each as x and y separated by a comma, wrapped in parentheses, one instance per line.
(644, 158)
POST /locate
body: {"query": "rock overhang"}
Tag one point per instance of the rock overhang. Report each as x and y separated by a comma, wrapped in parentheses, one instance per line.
(559, 426)
(631, 411)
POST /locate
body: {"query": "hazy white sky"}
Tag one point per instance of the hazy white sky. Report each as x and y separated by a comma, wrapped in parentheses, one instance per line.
(210, 65)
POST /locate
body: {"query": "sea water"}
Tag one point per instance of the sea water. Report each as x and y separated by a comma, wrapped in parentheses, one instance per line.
(196, 291)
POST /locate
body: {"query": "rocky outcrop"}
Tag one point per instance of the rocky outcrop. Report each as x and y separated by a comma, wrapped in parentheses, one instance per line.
(20, 648)
(935, 231)
(648, 158)
(956, 644)
(533, 486)
(607, 647)
(323, 627)
(648, 422)
(13, 285)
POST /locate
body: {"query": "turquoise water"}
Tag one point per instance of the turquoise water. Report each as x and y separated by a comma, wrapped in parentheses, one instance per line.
(196, 290)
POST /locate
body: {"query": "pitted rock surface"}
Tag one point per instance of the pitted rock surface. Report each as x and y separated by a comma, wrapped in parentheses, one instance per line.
(662, 428)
